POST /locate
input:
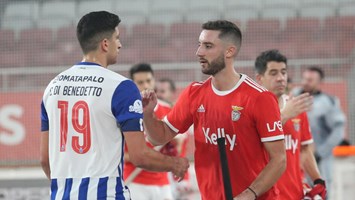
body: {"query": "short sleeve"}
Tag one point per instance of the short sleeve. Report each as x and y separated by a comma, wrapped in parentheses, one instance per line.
(126, 106)
(44, 118)
(180, 118)
(267, 117)
(306, 136)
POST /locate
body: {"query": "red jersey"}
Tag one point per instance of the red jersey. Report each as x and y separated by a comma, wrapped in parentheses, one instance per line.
(247, 115)
(148, 177)
(297, 133)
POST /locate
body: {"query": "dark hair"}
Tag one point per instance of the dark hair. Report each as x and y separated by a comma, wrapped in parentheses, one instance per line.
(171, 83)
(228, 31)
(140, 67)
(318, 70)
(94, 27)
(268, 56)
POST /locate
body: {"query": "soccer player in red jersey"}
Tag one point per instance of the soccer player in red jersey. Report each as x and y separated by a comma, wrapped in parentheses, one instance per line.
(148, 185)
(271, 69)
(225, 105)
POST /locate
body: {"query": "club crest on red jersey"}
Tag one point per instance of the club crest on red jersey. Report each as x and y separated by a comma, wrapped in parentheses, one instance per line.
(296, 124)
(236, 113)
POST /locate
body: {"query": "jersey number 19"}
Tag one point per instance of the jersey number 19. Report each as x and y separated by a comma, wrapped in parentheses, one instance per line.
(81, 125)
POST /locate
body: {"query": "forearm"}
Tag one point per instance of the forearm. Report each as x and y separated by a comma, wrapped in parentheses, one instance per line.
(155, 129)
(308, 163)
(152, 160)
(269, 175)
(284, 117)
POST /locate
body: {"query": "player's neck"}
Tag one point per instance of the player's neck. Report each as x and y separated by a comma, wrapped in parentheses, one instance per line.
(225, 79)
(95, 58)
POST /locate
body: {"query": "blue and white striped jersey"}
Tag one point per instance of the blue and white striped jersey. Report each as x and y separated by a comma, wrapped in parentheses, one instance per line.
(86, 109)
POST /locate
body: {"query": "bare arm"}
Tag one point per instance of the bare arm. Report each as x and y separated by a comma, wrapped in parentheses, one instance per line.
(45, 154)
(158, 132)
(144, 157)
(296, 106)
(270, 174)
(308, 162)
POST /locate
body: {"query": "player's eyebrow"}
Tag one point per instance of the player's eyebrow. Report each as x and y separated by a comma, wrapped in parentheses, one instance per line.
(205, 43)
(273, 70)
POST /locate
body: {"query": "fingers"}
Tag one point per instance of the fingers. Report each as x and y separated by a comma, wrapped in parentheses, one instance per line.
(147, 94)
(181, 168)
(303, 102)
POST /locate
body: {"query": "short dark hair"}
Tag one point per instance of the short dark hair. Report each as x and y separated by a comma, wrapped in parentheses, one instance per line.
(94, 27)
(228, 30)
(140, 67)
(171, 83)
(268, 56)
(318, 70)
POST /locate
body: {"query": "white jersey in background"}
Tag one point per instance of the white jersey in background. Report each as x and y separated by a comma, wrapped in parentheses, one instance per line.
(86, 109)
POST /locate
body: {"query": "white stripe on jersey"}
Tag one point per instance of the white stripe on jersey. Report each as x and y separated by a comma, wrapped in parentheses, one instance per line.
(92, 191)
(255, 85)
(60, 192)
(111, 187)
(165, 119)
(310, 141)
(272, 138)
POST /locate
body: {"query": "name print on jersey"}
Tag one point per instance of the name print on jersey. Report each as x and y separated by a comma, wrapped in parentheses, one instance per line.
(85, 90)
(212, 138)
(69, 78)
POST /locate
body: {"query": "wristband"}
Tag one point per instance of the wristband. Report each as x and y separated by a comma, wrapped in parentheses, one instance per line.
(319, 181)
(256, 196)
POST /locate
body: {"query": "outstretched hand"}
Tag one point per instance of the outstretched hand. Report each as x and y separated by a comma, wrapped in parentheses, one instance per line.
(149, 100)
(296, 105)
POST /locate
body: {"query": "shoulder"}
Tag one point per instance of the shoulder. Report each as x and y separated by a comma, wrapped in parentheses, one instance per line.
(113, 75)
(197, 87)
(252, 87)
(329, 99)
(200, 84)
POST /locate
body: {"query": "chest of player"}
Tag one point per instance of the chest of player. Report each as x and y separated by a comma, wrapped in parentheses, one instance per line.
(222, 116)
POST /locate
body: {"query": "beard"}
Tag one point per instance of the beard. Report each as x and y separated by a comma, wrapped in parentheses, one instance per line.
(215, 66)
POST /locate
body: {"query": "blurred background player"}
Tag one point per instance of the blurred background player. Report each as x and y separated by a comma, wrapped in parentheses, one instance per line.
(147, 185)
(326, 118)
(166, 90)
(271, 68)
(225, 105)
(87, 114)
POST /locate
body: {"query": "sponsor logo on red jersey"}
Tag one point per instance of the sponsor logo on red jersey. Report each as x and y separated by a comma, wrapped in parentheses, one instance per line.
(211, 138)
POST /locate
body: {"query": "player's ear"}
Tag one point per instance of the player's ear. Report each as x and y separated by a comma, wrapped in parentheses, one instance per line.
(231, 52)
(258, 78)
(104, 45)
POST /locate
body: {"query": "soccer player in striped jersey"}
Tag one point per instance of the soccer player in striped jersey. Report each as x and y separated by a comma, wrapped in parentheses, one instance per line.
(87, 113)
(271, 69)
(226, 105)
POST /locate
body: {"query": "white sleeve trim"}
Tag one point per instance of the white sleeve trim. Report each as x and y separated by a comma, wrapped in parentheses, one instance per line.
(273, 138)
(310, 141)
(165, 119)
